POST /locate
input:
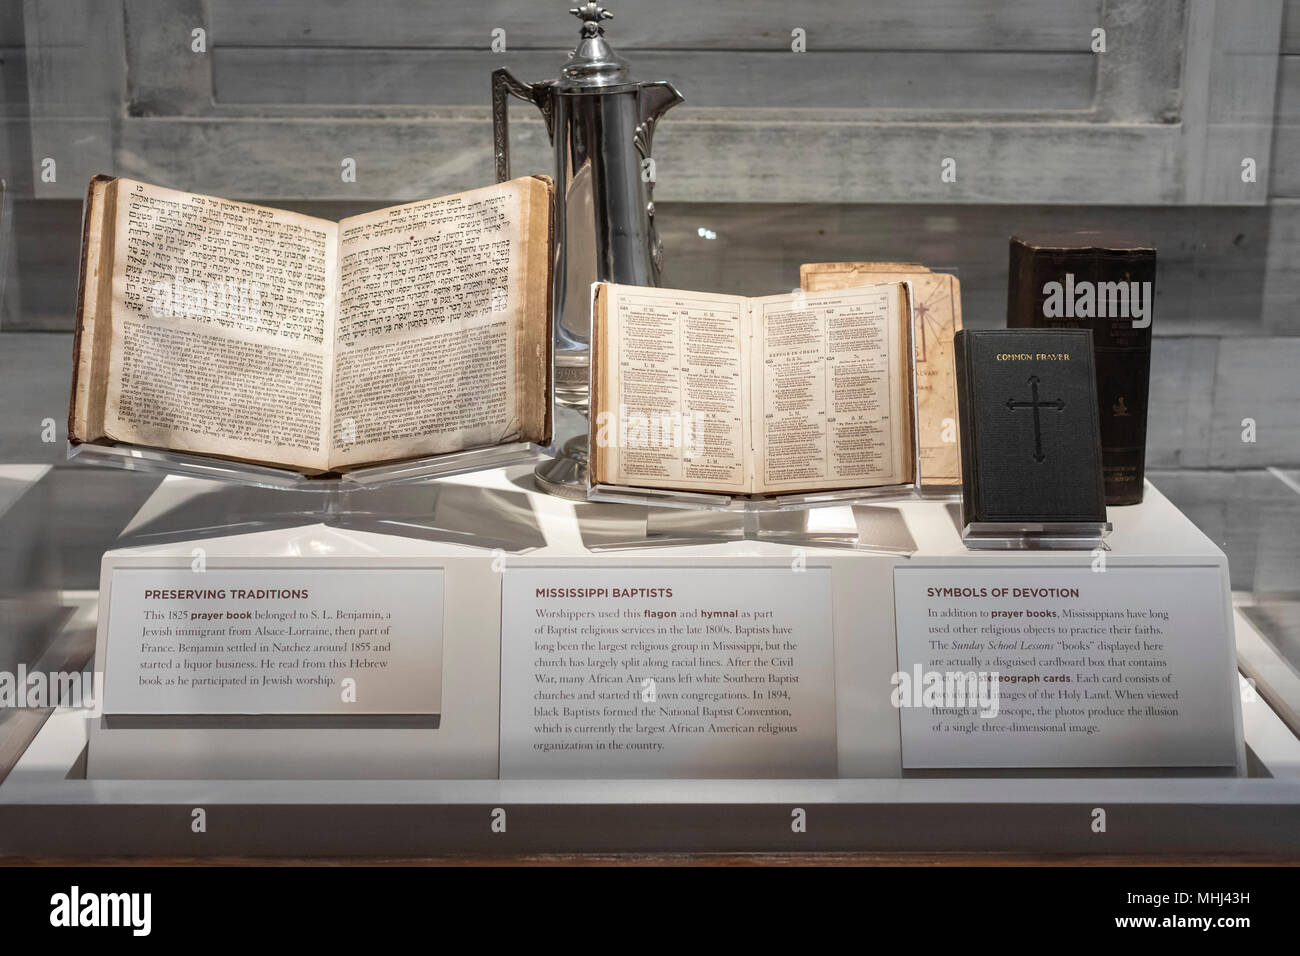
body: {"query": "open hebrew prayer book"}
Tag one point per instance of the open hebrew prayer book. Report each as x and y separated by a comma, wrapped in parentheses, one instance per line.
(784, 394)
(222, 328)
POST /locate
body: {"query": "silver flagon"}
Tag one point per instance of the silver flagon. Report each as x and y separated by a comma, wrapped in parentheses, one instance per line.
(600, 122)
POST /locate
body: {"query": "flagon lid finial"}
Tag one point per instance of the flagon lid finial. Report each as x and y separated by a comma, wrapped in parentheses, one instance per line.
(593, 65)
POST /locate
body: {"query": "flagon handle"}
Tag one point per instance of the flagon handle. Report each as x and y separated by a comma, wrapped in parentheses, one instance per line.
(504, 85)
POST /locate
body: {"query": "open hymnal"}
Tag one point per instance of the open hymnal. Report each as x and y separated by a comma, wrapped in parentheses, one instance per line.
(785, 394)
(937, 313)
(222, 328)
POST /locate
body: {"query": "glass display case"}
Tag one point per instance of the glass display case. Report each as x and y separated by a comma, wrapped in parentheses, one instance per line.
(630, 670)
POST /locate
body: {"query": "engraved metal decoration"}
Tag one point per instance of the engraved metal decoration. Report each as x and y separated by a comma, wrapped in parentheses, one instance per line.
(600, 123)
(591, 14)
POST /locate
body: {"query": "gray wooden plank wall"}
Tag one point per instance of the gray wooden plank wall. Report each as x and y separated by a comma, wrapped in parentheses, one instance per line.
(1286, 130)
(885, 91)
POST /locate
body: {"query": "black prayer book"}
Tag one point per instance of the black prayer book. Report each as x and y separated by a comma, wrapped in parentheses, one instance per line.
(1105, 283)
(1029, 434)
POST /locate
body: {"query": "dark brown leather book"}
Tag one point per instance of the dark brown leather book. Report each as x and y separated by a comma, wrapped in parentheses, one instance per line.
(1086, 280)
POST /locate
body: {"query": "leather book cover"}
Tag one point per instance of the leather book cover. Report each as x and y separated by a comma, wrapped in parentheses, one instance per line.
(1029, 431)
(1091, 281)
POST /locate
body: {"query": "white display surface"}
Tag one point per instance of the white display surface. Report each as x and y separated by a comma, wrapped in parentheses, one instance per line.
(274, 642)
(540, 534)
(667, 672)
(1124, 667)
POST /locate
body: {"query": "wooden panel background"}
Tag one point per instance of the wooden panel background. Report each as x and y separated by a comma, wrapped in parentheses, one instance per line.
(719, 25)
(843, 79)
(1286, 139)
(1010, 89)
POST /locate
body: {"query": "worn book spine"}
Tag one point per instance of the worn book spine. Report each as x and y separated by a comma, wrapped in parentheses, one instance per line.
(1121, 349)
(972, 507)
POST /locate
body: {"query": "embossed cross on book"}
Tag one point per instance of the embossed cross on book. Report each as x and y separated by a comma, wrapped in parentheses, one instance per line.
(1035, 404)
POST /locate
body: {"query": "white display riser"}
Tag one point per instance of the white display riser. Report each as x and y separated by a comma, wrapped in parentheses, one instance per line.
(536, 531)
(48, 809)
(48, 806)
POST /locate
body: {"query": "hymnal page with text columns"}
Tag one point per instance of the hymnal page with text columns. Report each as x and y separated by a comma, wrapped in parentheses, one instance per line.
(829, 394)
(675, 382)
